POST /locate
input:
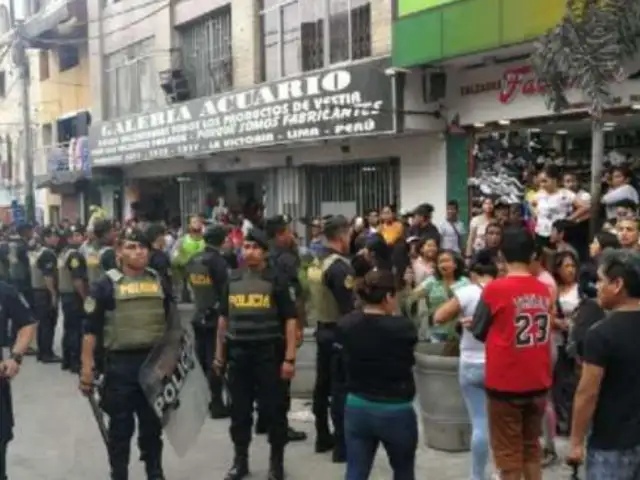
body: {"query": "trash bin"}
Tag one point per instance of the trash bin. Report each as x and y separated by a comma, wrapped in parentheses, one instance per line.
(443, 412)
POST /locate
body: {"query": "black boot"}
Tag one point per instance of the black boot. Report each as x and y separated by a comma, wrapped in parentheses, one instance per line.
(154, 471)
(324, 441)
(276, 464)
(218, 410)
(240, 467)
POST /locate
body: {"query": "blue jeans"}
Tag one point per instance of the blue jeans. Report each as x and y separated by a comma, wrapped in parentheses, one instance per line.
(472, 384)
(366, 427)
(613, 464)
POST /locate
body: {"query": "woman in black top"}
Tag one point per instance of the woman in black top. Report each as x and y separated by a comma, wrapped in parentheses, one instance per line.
(378, 353)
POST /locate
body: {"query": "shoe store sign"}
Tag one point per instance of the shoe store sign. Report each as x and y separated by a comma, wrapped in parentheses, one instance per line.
(354, 100)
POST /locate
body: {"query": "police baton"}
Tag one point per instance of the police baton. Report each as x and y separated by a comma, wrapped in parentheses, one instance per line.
(98, 414)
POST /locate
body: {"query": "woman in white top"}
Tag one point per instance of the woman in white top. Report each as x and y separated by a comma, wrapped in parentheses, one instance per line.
(478, 227)
(620, 189)
(472, 356)
(552, 202)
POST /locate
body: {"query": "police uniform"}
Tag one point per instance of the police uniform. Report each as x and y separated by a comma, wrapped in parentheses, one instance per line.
(43, 264)
(258, 304)
(131, 315)
(158, 259)
(72, 267)
(14, 309)
(331, 293)
(207, 277)
(286, 261)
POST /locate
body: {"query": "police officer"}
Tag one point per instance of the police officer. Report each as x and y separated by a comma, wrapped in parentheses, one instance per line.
(44, 275)
(129, 306)
(258, 310)
(284, 257)
(207, 276)
(332, 294)
(158, 258)
(98, 252)
(73, 287)
(14, 309)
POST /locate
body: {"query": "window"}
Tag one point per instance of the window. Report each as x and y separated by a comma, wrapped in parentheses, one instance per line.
(68, 57)
(303, 35)
(43, 61)
(3, 84)
(206, 49)
(131, 81)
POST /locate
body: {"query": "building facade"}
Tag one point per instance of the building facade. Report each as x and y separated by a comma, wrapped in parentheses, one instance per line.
(293, 104)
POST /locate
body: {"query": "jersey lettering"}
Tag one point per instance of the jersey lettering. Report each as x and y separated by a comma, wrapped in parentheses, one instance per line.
(532, 329)
(131, 289)
(200, 279)
(253, 300)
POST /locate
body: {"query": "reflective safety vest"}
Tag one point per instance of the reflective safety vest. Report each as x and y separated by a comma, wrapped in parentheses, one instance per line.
(18, 269)
(138, 320)
(94, 270)
(37, 277)
(322, 300)
(204, 292)
(65, 280)
(253, 315)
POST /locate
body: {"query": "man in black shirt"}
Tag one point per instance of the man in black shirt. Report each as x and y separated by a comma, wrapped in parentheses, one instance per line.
(158, 258)
(422, 227)
(13, 309)
(608, 395)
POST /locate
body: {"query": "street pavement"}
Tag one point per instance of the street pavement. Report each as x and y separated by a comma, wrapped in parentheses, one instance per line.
(57, 439)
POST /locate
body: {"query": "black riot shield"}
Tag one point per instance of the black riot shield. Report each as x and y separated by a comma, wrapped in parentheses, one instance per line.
(99, 415)
(175, 385)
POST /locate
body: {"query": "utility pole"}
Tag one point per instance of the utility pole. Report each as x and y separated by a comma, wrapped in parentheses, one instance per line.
(22, 62)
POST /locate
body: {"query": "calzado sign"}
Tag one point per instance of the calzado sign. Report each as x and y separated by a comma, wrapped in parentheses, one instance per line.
(354, 100)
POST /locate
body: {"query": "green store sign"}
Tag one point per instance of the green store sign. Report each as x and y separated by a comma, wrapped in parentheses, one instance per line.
(426, 31)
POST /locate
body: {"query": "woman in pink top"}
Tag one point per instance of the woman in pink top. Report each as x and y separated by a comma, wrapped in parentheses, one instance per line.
(549, 421)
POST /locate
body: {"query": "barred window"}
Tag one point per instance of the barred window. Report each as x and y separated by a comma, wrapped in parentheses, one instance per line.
(207, 54)
(131, 81)
(304, 35)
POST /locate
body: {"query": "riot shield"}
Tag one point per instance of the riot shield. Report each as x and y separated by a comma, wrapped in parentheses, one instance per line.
(175, 385)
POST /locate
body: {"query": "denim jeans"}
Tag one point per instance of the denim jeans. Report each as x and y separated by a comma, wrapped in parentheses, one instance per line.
(613, 464)
(472, 384)
(367, 427)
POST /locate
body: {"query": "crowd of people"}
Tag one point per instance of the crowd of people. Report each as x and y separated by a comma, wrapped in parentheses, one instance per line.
(542, 319)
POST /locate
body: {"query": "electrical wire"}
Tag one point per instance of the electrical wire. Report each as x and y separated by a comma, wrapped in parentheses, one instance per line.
(84, 40)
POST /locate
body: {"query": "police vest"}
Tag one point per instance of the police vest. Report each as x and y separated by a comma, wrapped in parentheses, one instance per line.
(322, 300)
(92, 256)
(18, 270)
(253, 315)
(65, 280)
(201, 283)
(37, 277)
(138, 320)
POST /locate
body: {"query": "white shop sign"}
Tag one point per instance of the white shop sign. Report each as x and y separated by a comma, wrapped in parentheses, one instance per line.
(511, 92)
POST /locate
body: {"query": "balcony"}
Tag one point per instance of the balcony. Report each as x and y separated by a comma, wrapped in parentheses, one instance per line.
(56, 20)
(66, 164)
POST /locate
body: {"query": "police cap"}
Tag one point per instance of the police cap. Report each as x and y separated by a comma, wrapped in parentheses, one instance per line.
(132, 234)
(154, 230)
(258, 236)
(335, 225)
(49, 231)
(215, 235)
(101, 227)
(276, 224)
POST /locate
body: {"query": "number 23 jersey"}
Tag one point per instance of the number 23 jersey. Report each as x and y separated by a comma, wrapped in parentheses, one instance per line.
(518, 352)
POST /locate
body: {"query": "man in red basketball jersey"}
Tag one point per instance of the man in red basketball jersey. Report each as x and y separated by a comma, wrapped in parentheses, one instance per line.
(513, 319)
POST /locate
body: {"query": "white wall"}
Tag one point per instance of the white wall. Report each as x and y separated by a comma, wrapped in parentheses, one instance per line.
(422, 164)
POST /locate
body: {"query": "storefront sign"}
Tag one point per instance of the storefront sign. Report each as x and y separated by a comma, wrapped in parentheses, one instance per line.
(514, 81)
(341, 102)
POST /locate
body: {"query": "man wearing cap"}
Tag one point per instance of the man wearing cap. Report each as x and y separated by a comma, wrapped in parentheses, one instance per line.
(15, 310)
(96, 248)
(44, 275)
(283, 257)
(73, 287)
(129, 307)
(421, 225)
(258, 309)
(106, 252)
(158, 258)
(332, 293)
(207, 276)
